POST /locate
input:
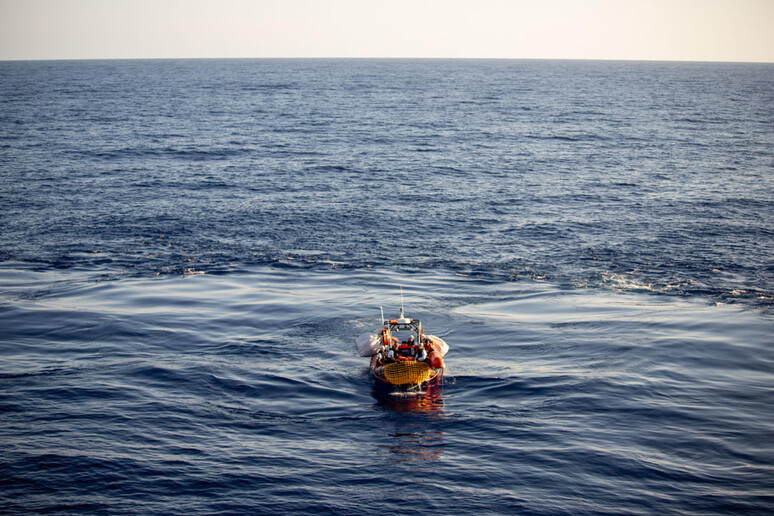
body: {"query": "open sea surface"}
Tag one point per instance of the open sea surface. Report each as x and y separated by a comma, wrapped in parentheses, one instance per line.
(188, 249)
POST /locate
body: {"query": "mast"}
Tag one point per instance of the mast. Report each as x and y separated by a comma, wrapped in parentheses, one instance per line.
(401, 303)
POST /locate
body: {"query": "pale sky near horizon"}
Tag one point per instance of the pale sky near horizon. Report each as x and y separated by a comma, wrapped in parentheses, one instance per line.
(675, 30)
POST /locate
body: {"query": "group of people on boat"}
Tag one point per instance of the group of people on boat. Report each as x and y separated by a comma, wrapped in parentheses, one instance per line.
(409, 350)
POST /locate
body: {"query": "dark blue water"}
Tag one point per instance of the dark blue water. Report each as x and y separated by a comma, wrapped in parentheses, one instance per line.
(188, 249)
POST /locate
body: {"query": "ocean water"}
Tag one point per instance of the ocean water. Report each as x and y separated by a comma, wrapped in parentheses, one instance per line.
(189, 248)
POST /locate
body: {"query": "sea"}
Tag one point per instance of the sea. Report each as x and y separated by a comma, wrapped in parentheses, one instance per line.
(189, 248)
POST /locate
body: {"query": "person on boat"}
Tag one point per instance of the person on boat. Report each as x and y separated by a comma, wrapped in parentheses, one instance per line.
(407, 350)
(390, 355)
(422, 355)
(410, 349)
(380, 357)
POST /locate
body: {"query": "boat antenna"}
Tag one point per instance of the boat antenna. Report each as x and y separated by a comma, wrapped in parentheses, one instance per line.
(382, 321)
(401, 302)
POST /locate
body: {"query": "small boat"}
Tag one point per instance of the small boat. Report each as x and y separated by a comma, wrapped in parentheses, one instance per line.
(402, 355)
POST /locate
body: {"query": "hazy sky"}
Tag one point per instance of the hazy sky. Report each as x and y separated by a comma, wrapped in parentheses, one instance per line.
(696, 30)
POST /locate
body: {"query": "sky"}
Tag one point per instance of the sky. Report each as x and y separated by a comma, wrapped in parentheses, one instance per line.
(672, 30)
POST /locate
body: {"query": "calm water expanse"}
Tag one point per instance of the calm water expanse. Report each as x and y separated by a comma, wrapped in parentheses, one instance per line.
(188, 249)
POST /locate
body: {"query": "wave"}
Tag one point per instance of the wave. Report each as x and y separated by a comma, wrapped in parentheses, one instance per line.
(176, 153)
(717, 287)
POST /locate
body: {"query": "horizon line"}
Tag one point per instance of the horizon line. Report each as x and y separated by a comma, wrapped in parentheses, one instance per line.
(385, 58)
